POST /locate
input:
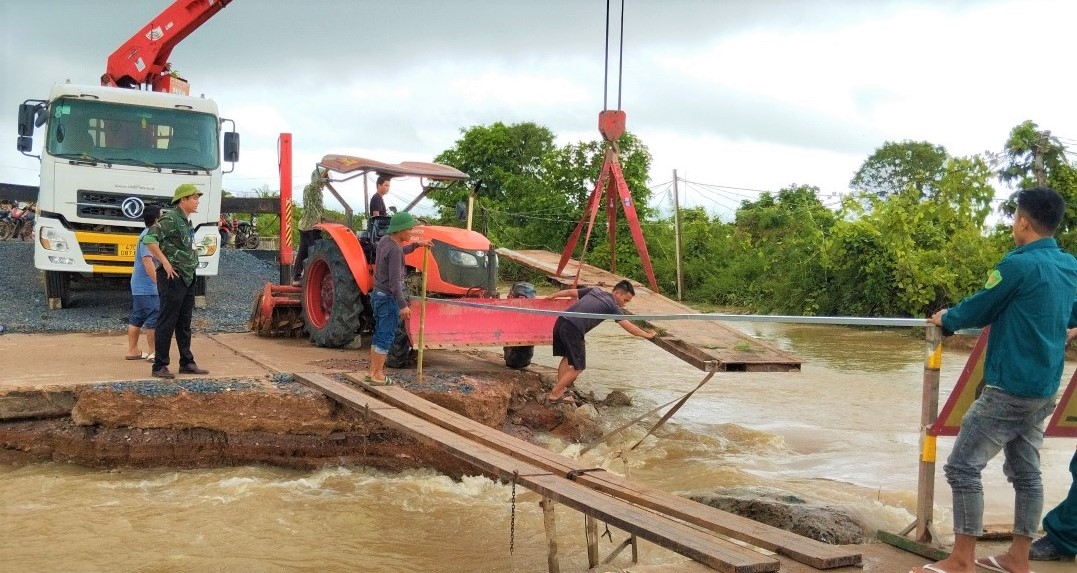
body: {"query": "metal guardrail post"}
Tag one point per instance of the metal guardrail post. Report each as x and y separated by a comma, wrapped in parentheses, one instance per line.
(929, 412)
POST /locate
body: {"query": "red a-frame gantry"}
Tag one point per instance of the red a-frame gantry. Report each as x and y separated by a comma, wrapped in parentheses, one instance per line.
(611, 183)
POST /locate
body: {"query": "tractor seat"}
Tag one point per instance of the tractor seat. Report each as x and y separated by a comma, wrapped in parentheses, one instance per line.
(369, 237)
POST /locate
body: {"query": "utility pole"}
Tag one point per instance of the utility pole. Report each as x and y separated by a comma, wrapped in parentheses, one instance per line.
(677, 235)
(1041, 150)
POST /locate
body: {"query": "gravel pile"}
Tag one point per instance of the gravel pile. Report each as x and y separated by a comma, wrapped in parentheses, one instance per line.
(104, 305)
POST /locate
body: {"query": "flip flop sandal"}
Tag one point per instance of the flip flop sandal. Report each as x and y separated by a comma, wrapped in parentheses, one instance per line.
(372, 382)
(136, 356)
(564, 399)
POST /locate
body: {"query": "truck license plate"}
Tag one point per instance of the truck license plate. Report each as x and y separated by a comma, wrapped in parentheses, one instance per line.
(127, 251)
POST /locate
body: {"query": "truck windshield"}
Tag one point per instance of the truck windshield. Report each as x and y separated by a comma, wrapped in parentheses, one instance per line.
(132, 135)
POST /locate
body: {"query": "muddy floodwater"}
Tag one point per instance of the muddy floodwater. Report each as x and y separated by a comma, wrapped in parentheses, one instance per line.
(841, 432)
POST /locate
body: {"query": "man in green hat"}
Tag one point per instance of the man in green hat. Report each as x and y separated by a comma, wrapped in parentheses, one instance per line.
(171, 242)
(387, 300)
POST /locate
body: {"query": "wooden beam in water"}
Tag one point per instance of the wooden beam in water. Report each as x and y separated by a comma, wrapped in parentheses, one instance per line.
(696, 544)
(796, 547)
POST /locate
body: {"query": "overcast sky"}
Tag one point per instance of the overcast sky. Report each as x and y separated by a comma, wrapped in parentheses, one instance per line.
(755, 95)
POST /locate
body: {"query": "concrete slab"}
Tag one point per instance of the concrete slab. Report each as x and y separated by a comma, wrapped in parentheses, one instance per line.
(57, 362)
(64, 361)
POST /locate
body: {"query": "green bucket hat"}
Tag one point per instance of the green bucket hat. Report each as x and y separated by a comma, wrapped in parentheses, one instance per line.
(185, 190)
(401, 222)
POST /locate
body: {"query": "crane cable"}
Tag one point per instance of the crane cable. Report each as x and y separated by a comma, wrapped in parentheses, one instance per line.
(620, 60)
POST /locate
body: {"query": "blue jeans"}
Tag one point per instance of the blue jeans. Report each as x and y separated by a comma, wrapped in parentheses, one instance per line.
(995, 422)
(386, 319)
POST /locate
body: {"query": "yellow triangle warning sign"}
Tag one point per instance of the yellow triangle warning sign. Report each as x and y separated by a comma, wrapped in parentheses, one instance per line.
(1064, 422)
(969, 385)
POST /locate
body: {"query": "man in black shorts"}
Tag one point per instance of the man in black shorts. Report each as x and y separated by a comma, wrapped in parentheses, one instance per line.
(568, 331)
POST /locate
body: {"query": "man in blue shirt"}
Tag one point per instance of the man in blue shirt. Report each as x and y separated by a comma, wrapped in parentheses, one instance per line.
(145, 302)
(1028, 300)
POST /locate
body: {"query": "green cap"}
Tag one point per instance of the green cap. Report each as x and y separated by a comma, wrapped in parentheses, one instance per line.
(401, 222)
(185, 190)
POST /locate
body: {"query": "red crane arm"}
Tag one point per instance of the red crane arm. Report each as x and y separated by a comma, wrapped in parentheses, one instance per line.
(144, 57)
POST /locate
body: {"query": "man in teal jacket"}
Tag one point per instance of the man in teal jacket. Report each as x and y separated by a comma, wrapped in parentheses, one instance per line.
(1028, 300)
(1059, 542)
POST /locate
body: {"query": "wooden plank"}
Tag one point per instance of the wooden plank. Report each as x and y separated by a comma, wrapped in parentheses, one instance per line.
(797, 547)
(684, 539)
(922, 549)
(707, 345)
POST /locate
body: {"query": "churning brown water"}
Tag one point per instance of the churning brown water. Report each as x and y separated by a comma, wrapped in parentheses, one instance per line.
(842, 432)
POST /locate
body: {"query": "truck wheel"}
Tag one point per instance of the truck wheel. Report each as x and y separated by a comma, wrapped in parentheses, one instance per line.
(251, 241)
(332, 302)
(57, 289)
(7, 230)
(400, 353)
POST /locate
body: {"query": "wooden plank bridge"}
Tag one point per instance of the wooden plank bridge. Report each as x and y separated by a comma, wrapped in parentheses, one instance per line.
(720, 540)
(707, 345)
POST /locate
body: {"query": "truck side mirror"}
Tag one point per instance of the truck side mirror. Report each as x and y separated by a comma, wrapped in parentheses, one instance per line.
(26, 143)
(231, 146)
(27, 111)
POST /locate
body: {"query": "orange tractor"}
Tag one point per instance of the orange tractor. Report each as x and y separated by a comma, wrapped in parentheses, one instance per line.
(332, 304)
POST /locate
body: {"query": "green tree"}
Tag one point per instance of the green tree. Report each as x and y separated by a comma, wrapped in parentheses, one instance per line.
(1032, 157)
(901, 256)
(779, 247)
(907, 167)
(531, 192)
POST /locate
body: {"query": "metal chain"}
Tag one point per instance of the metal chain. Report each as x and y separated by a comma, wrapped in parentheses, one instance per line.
(512, 520)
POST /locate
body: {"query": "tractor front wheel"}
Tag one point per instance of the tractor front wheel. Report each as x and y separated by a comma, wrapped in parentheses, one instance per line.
(332, 302)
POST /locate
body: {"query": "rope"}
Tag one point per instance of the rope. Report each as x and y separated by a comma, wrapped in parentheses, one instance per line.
(620, 56)
(678, 401)
(606, 63)
(620, 59)
(626, 425)
(673, 410)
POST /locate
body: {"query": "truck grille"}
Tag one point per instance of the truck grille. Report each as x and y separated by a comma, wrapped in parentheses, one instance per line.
(98, 249)
(105, 205)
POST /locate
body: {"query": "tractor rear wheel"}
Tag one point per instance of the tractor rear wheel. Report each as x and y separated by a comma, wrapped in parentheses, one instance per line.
(332, 302)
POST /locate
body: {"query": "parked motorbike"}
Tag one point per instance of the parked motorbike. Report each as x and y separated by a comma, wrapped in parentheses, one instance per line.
(18, 222)
(243, 234)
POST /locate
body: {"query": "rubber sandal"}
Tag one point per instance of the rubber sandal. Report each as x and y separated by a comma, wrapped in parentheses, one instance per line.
(372, 382)
(136, 356)
(564, 399)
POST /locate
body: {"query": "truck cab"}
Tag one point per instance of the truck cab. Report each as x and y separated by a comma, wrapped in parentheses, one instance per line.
(107, 154)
